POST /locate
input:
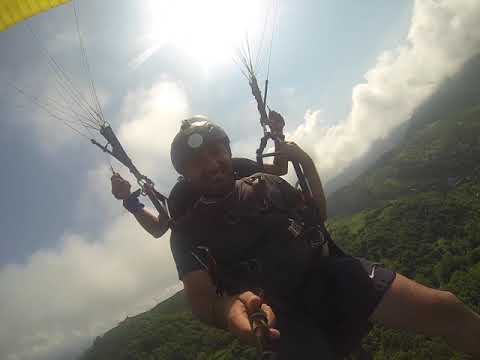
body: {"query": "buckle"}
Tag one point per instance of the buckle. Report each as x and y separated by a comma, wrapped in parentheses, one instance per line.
(295, 228)
(251, 265)
(319, 241)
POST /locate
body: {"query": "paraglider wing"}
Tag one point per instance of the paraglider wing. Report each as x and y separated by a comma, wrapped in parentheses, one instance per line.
(13, 11)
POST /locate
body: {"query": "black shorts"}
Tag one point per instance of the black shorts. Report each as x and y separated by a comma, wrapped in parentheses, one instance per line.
(338, 298)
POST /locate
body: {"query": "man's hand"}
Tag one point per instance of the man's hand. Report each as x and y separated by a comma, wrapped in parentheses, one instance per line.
(276, 122)
(149, 189)
(238, 313)
(120, 187)
(293, 152)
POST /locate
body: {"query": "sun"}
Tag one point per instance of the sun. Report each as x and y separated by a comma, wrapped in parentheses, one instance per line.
(208, 31)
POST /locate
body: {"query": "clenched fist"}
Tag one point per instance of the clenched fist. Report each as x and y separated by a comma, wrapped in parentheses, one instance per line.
(277, 123)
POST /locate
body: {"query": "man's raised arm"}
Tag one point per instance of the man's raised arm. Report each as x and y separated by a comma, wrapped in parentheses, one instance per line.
(295, 153)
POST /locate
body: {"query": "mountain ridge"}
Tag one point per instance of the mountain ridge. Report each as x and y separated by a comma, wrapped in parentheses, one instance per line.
(456, 93)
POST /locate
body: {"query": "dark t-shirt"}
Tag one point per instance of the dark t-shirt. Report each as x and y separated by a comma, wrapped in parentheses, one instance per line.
(236, 231)
(239, 229)
(182, 196)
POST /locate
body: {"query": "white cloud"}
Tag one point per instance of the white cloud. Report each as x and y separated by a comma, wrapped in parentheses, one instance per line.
(49, 109)
(49, 88)
(442, 36)
(96, 203)
(62, 297)
(152, 117)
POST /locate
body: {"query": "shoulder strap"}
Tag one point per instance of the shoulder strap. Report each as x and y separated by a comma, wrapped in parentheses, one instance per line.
(181, 198)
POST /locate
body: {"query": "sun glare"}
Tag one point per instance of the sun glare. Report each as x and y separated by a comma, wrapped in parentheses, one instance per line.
(208, 31)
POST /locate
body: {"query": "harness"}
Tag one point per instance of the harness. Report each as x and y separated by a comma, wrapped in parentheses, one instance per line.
(252, 269)
(264, 209)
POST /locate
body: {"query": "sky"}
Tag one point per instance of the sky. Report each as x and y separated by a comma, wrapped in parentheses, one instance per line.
(73, 262)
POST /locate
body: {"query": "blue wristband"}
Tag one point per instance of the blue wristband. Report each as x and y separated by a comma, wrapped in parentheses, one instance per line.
(132, 203)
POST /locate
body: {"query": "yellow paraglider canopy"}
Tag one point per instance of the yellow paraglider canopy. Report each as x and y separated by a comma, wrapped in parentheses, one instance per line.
(13, 11)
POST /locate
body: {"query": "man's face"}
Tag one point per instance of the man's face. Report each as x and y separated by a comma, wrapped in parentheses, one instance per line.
(210, 170)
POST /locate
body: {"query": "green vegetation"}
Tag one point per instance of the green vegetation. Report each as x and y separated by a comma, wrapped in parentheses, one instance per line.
(168, 331)
(439, 157)
(426, 222)
(174, 336)
(433, 238)
(417, 211)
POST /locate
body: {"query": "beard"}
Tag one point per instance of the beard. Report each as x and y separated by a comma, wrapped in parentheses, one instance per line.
(217, 184)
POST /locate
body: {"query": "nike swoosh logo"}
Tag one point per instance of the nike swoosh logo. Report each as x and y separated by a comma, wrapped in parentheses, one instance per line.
(372, 273)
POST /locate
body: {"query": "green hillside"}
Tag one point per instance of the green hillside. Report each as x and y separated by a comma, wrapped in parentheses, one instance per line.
(438, 157)
(434, 238)
(422, 219)
(456, 93)
(426, 146)
(168, 331)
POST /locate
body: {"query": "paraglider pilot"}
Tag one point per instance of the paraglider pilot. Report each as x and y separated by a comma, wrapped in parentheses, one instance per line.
(318, 302)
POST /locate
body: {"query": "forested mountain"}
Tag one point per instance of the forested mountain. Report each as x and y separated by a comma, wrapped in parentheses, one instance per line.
(168, 331)
(423, 221)
(417, 210)
(457, 97)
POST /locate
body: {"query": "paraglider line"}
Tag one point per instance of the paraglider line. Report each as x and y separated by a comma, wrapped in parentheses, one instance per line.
(86, 63)
(51, 113)
(64, 81)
